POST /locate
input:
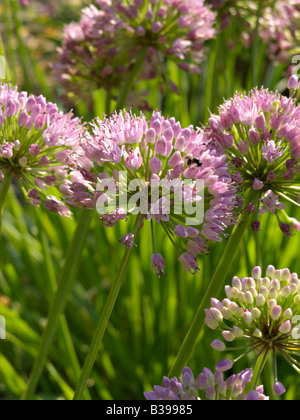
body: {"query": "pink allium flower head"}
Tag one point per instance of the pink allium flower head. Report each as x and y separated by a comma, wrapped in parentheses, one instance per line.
(265, 151)
(278, 25)
(263, 313)
(103, 46)
(32, 132)
(130, 166)
(279, 28)
(207, 386)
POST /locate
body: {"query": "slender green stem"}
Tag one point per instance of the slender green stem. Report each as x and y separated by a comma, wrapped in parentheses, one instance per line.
(255, 48)
(259, 259)
(8, 36)
(211, 85)
(111, 300)
(68, 273)
(130, 80)
(4, 188)
(259, 366)
(7, 74)
(64, 288)
(257, 369)
(101, 328)
(63, 328)
(214, 289)
(23, 56)
(153, 237)
(108, 102)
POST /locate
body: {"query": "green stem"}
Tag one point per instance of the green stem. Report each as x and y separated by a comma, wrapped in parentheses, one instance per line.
(108, 102)
(130, 80)
(211, 86)
(8, 36)
(214, 289)
(255, 48)
(23, 56)
(63, 328)
(101, 327)
(111, 300)
(258, 249)
(103, 321)
(4, 188)
(7, 74)
(65, 285)
(257, 370)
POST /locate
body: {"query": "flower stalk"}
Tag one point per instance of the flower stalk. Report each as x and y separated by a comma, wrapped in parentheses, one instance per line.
(216, 285)
(130, 80)
(263, 311)
(102, 323)
(65, 285)
(4, 188)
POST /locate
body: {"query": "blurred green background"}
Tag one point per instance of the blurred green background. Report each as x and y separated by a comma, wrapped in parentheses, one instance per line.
(152, 315)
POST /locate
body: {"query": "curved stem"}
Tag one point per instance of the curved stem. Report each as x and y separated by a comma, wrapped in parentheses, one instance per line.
(4, 188)
(23, 56)
(8, 36)
(210, 88)
(102, 324)
(68, 273)
(130, 80)
(63, 328)
(64, 288)
(108, 102)
(255, 48)
(6, 69)
(257, 368)
(214, 289)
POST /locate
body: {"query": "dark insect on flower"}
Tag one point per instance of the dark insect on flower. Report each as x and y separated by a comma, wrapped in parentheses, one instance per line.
(154, 151)
(193, 161)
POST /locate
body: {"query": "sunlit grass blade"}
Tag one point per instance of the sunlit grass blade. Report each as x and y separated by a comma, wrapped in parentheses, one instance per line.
(65, 284)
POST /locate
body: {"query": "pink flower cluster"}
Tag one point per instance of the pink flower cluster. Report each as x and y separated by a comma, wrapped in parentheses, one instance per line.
(278, 23)
(279, 28)
(261, 134)
(32, 133)
(208, 386)
(104, 46)
(158, 151)
(260, 314)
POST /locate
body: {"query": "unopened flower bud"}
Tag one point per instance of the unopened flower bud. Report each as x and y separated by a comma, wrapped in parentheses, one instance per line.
(293, 82)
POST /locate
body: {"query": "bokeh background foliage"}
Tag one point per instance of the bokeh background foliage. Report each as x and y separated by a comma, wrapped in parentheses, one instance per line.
(152, 315)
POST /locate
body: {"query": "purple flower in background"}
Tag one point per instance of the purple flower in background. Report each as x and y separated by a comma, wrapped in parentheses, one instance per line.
(261, 315)
(158, 264)
(261, 135)
(104, 46)
(32, 133)
(279, 28)
(25, 2)
(207, 386)
(168, 175)
(278, 24)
